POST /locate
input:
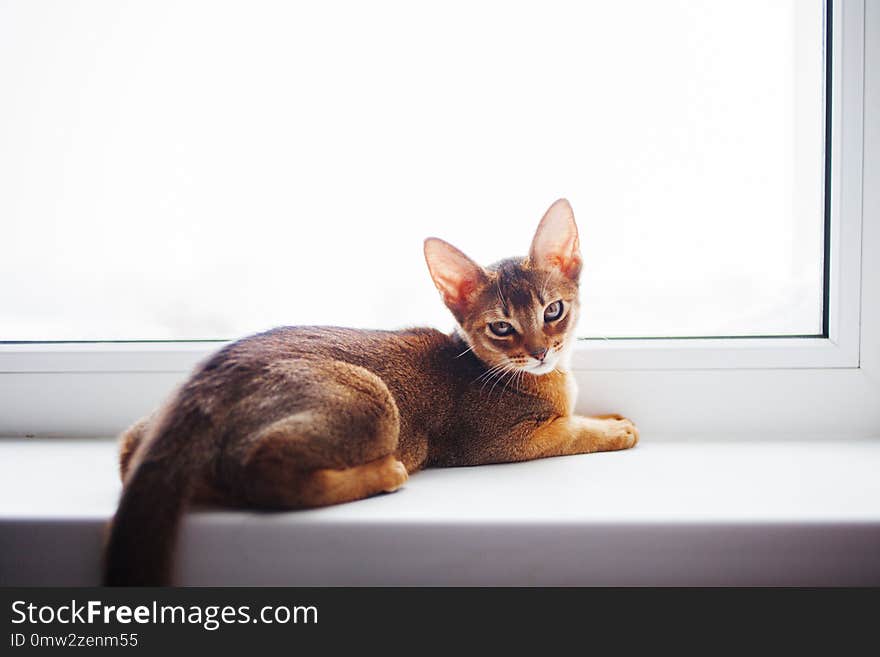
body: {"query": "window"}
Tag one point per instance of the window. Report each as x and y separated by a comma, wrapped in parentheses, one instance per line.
(286, 169)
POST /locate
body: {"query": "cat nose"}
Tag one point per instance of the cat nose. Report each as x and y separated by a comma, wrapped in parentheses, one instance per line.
(539, 353)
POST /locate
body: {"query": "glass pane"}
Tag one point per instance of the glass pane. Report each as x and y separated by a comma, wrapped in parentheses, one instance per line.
(180, 169)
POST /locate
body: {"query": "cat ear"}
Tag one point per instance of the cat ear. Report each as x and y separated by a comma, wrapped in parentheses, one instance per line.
(456, 276)
(556, 244)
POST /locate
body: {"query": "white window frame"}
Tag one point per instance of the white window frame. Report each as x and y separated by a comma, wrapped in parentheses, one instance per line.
(701, 387)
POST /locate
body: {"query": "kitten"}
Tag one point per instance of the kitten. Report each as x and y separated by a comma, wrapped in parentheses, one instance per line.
(300, 417)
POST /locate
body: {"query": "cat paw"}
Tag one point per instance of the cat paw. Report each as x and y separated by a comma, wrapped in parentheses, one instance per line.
(394, 474)
(621, 432)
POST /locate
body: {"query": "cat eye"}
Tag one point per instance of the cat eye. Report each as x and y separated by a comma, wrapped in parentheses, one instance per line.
(553, 311)
(501, 329)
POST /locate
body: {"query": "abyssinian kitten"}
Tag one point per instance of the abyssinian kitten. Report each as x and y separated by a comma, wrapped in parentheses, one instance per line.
(300, 417)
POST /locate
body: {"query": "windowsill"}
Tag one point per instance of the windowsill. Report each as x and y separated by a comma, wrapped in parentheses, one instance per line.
(665, 513)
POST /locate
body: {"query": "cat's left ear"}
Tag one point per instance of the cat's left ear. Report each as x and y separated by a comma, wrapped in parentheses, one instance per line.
(556, 244)
(457, 277)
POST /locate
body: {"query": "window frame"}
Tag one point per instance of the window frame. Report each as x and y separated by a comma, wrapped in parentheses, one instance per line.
(799, 386)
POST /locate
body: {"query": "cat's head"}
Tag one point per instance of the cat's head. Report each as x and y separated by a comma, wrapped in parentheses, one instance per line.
(520, 313)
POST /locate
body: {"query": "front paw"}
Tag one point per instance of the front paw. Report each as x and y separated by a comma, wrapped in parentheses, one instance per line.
(620, 432)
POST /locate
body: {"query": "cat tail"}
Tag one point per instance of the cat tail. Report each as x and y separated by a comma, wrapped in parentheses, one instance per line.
(175, 448)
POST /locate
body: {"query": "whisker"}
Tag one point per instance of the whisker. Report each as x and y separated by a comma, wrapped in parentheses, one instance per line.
(489, 371)
(510, 378)
(497, 372)
(517, 378)
(499, 378)
(490, 374)
(494, 367)
(494, 377)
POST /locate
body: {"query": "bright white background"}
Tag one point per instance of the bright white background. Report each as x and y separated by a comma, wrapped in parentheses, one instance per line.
(206, 169)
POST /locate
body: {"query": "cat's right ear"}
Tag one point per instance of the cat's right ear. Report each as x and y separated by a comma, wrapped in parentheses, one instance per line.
(457, 277)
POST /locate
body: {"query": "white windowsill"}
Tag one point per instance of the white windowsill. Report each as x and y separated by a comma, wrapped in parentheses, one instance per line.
(667, 513)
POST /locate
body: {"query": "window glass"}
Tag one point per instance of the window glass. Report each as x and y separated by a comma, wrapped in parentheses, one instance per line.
(185, 170)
